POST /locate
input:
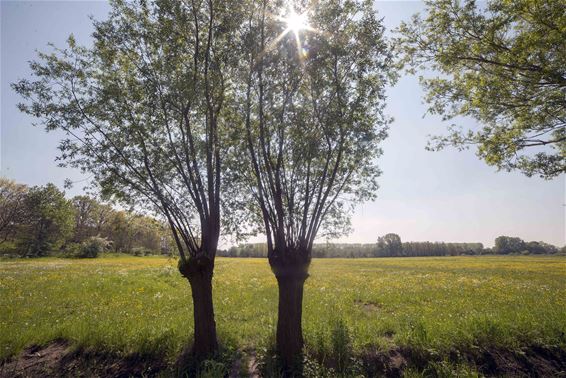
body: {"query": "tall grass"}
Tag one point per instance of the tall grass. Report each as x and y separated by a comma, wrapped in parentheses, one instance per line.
(142, 305)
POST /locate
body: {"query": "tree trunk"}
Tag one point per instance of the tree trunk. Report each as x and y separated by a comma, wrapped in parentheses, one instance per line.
(199, 274)
(289, 337)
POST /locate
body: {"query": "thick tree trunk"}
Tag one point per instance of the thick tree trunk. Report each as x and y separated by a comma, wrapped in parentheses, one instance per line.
(289, 337)
(199, 274)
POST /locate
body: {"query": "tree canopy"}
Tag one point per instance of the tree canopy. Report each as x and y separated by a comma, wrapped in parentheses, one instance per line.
(143, 109)
(12, 207)
(314, 119)
(49, 220)
(390, 245)
(502, 63)
(40, 221)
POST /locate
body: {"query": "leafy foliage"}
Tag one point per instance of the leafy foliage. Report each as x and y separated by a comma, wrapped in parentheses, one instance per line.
(390, 245)
(143, 109)
(49, 221)
(506, 245)
(503, 245)
(501, 63)
(314, 118)
(84, 218)
(93, 246)
(12, 207)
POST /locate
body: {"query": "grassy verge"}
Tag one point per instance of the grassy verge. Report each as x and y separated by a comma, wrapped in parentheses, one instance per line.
(430, 306)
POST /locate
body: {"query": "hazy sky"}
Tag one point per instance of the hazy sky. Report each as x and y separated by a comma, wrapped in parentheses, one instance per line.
(436, 196)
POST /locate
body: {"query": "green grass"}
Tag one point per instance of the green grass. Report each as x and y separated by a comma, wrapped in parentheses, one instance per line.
(142, 304)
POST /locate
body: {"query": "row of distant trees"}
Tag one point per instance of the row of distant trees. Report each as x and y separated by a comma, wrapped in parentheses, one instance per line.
(40, 221)
(390, 245)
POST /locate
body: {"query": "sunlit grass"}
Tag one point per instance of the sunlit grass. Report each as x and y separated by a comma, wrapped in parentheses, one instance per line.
(142, 305)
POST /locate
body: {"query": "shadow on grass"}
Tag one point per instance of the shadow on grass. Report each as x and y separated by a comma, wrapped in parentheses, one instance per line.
(332, 358)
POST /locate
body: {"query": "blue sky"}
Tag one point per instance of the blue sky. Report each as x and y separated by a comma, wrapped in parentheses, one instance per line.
(436, 196)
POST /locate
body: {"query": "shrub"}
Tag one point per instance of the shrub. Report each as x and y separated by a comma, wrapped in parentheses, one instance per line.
(141, 251)
(70, 250)
(9, 248)
(92, 247)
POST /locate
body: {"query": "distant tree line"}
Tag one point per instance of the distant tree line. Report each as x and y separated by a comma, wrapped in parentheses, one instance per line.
(505, 245)
(390, 245)
(39, 221)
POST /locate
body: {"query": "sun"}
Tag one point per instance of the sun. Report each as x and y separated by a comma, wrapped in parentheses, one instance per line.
(297, 22)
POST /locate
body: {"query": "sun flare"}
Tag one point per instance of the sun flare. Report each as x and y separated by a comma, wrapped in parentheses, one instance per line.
(297, 22)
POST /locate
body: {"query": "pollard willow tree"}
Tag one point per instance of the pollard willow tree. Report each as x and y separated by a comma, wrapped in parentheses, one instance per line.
(144, 112)
(314, 117)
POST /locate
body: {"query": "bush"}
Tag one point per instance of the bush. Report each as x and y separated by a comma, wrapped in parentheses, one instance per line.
(92, 247)
(70, 250)
(141, 251)
(9, 248)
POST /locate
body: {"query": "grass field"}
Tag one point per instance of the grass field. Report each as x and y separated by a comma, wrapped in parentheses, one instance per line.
(142, 305)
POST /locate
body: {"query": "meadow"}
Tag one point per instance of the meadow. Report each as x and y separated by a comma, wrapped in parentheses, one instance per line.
(141, 305)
